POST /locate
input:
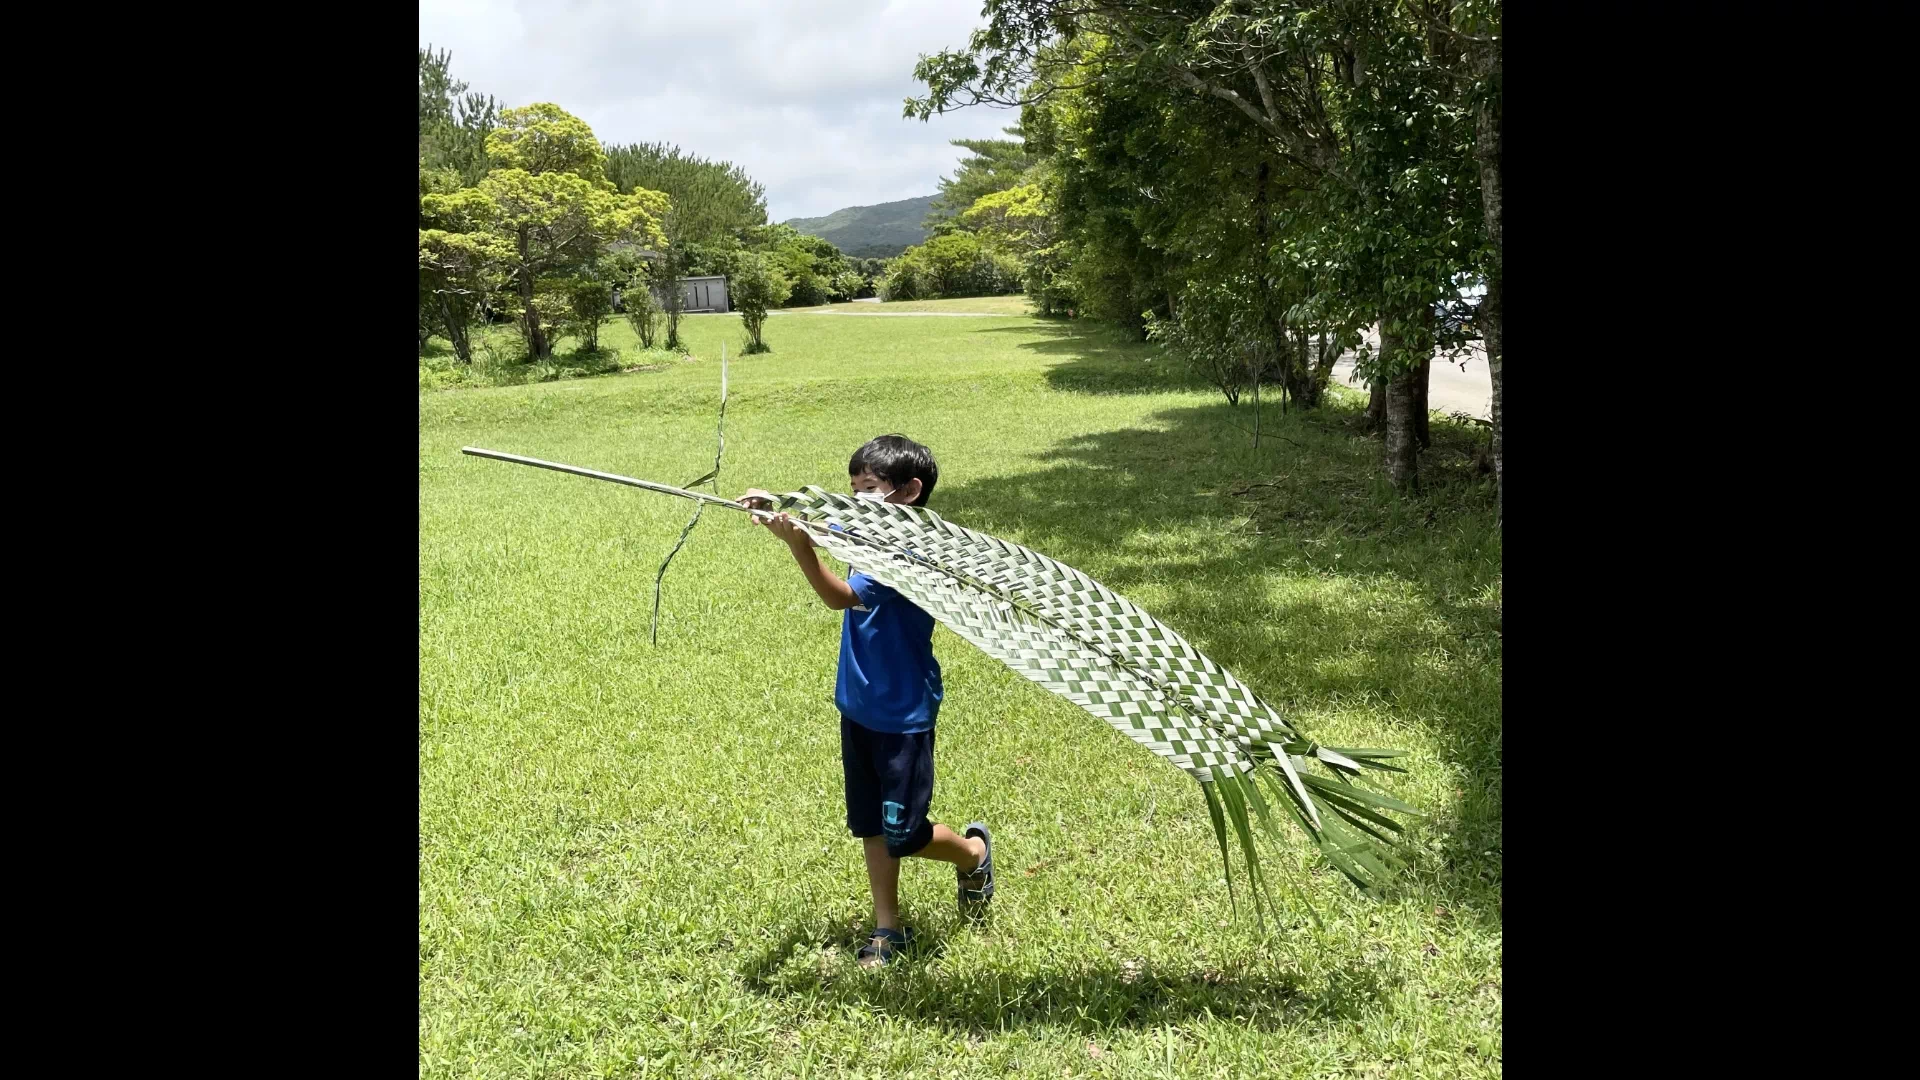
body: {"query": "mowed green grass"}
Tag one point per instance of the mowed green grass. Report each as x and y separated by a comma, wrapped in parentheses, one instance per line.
(989, 305)
(633, 860)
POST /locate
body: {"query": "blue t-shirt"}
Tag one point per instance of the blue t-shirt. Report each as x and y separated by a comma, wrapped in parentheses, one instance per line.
(889, 680)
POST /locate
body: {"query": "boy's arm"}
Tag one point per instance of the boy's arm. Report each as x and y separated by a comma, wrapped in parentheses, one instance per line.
(835, 593)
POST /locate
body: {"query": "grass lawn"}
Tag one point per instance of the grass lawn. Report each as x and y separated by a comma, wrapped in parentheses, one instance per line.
(633, 859)
(989, 305)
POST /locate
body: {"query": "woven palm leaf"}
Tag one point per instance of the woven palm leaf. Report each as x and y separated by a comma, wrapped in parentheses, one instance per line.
(1079, 639)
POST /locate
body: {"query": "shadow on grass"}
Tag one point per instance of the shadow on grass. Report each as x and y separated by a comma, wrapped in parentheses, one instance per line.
(1102, 359)
(1366, 602)
(814, 961)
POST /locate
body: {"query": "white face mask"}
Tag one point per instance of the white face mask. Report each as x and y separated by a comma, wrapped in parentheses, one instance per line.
(872, 496)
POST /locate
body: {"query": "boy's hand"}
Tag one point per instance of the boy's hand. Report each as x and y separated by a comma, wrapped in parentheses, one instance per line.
(756, 499)
(784, 527)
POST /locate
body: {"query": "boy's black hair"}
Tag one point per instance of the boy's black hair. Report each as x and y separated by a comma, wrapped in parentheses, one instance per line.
(897, 459)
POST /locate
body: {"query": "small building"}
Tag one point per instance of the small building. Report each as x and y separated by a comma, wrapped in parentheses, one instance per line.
(703, 294)
(697, 294)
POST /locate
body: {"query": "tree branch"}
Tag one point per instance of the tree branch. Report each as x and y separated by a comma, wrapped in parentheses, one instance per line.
(1260, 84)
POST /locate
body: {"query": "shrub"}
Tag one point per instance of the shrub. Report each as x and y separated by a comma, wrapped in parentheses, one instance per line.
(588, 302)
(757, 287)
(643, 312)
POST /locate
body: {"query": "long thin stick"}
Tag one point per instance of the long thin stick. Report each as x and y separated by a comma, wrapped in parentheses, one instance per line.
(712, 479)
(664, 489)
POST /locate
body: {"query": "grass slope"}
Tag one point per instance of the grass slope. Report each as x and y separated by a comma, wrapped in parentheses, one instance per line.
(632, 858)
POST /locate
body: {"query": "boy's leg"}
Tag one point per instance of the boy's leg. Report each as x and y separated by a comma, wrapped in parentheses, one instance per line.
(883, 877)
(906, 778)
(964, 852)
(863, 820)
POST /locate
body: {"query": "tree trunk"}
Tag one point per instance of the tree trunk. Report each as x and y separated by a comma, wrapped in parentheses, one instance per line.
(1323, 364)
(1376, 406)
(537, 347)
(1276, 333)
(1402, 441)
(1311, 378)
(1486, 150)
(1256, 401)
(456, 327)
(673, 298)
(1422, 376)
(1490, 330)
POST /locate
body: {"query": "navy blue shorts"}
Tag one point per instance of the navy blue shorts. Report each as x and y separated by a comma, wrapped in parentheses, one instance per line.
(889, 785)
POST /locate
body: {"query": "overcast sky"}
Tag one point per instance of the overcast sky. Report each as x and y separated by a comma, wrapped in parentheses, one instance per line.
(804, 95)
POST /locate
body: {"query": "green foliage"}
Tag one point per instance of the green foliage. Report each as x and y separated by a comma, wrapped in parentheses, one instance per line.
(996, 165)
(429, 323)
(1219, 335)
(589, 302)
(954, 264)
(462, 257)
(850, 284)
(552, 213)
(1318, 161)
(453, 122)
(543, 139)
(1020, 224)
(757, 287)
(711, 204)
(814, 269)
(711, 200)
(560, 221)
(643, 310)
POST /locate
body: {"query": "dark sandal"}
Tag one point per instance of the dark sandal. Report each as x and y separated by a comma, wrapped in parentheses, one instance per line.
(892, 944)
(976, 889)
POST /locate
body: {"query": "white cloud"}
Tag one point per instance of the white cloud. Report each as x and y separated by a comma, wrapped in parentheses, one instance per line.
(805, 96)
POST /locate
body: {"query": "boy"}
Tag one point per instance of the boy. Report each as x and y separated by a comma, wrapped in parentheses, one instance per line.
(889, 694)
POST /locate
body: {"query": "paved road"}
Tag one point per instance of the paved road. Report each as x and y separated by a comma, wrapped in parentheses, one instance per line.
(1449, 389)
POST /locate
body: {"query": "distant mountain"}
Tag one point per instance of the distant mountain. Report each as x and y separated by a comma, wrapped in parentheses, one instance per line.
(871, 232)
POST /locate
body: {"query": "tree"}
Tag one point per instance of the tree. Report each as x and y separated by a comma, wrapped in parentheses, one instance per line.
(996, 165)
(643, 312)
(462, 256)
(589, 300)
(710, 203)
(757, 288)
(1019, 223)
(552, 201)
(950, 264)
(453, 122)
(1108, 149)
(1356, 99)
(1481, 34)
(811, 265)
(713, 199)
(850, 285)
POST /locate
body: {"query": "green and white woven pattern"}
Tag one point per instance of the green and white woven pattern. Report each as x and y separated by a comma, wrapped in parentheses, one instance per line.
(1057, 627)
(1072, 634)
